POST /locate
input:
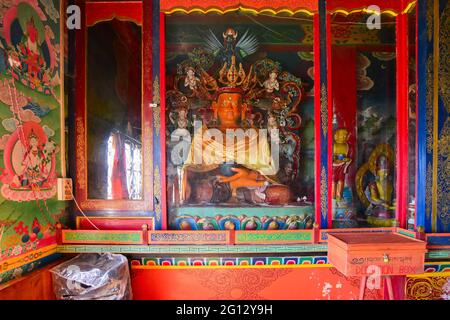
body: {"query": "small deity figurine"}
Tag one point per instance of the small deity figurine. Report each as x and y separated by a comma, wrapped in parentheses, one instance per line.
(272, 127)
(287, 175)
(269, 90)
(191, 80)
(377, 195)
(181, 134)
(271, 84)
(178, 116)
(272, 122)
(181, 121)
(380, 191)
(199, 85)
(341, 162)
(35, 166)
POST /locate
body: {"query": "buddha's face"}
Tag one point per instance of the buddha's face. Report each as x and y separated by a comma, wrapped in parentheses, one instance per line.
(383, 168)
(33, 142)
(288, 169)
(229, 108)
(273, 75)
(383, 174)
(341, 136)
(190, 73)
(272, 121)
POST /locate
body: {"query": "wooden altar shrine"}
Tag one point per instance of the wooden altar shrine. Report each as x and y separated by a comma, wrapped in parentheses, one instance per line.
(335, 107)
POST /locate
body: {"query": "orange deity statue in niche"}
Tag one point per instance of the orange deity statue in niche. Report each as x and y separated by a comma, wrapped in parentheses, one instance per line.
(239, 164)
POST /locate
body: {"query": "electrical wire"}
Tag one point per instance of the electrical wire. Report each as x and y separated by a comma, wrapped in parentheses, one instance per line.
(81, 210)
(1, 237)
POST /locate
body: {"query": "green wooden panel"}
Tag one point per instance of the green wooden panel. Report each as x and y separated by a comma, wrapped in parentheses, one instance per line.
(134, 237)
(273, 236)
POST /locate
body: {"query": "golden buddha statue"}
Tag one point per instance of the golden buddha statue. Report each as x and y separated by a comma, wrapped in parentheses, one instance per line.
(244, 159)
(341, 162)
(230, 155)
(377, 195)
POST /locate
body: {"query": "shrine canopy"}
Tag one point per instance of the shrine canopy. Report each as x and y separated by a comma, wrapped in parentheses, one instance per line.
(310, 7)
(223, 6)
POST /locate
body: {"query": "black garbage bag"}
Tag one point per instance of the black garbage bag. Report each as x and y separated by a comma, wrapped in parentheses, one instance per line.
(93, 276)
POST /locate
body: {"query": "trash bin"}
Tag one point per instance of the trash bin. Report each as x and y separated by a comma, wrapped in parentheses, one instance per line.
(93, 276)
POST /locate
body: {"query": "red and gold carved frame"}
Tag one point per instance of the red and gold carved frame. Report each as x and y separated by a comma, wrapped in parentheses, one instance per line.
(167, 7)
(224, 6)
(396, 8)
(92, 13)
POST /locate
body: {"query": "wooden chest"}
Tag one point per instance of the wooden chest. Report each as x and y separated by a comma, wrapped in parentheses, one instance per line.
(363, 254)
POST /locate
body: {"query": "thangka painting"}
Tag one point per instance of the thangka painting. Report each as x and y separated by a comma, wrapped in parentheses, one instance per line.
(30, 106)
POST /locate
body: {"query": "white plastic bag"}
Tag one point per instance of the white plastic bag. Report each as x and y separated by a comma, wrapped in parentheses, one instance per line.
(93, 276)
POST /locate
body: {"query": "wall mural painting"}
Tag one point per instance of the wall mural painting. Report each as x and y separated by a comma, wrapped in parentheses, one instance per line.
(30, 94)
(239, 121)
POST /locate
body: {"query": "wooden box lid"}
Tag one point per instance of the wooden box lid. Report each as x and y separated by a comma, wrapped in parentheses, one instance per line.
(362, 254)
(375, 241)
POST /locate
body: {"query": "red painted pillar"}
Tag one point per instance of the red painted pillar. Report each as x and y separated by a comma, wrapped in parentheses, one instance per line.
(330, 117)
(344, 94)
(402, 170)
(317, 133)
(162, 75)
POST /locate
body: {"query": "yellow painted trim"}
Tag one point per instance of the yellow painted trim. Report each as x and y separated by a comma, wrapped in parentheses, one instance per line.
(440, 262)
(239, 8)
(364, 10)
(18, 261)
(429, 275)
(345, 12)
(276, 266)
(435, 112)
(390, 12)
(115, 16)
(410, 7)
